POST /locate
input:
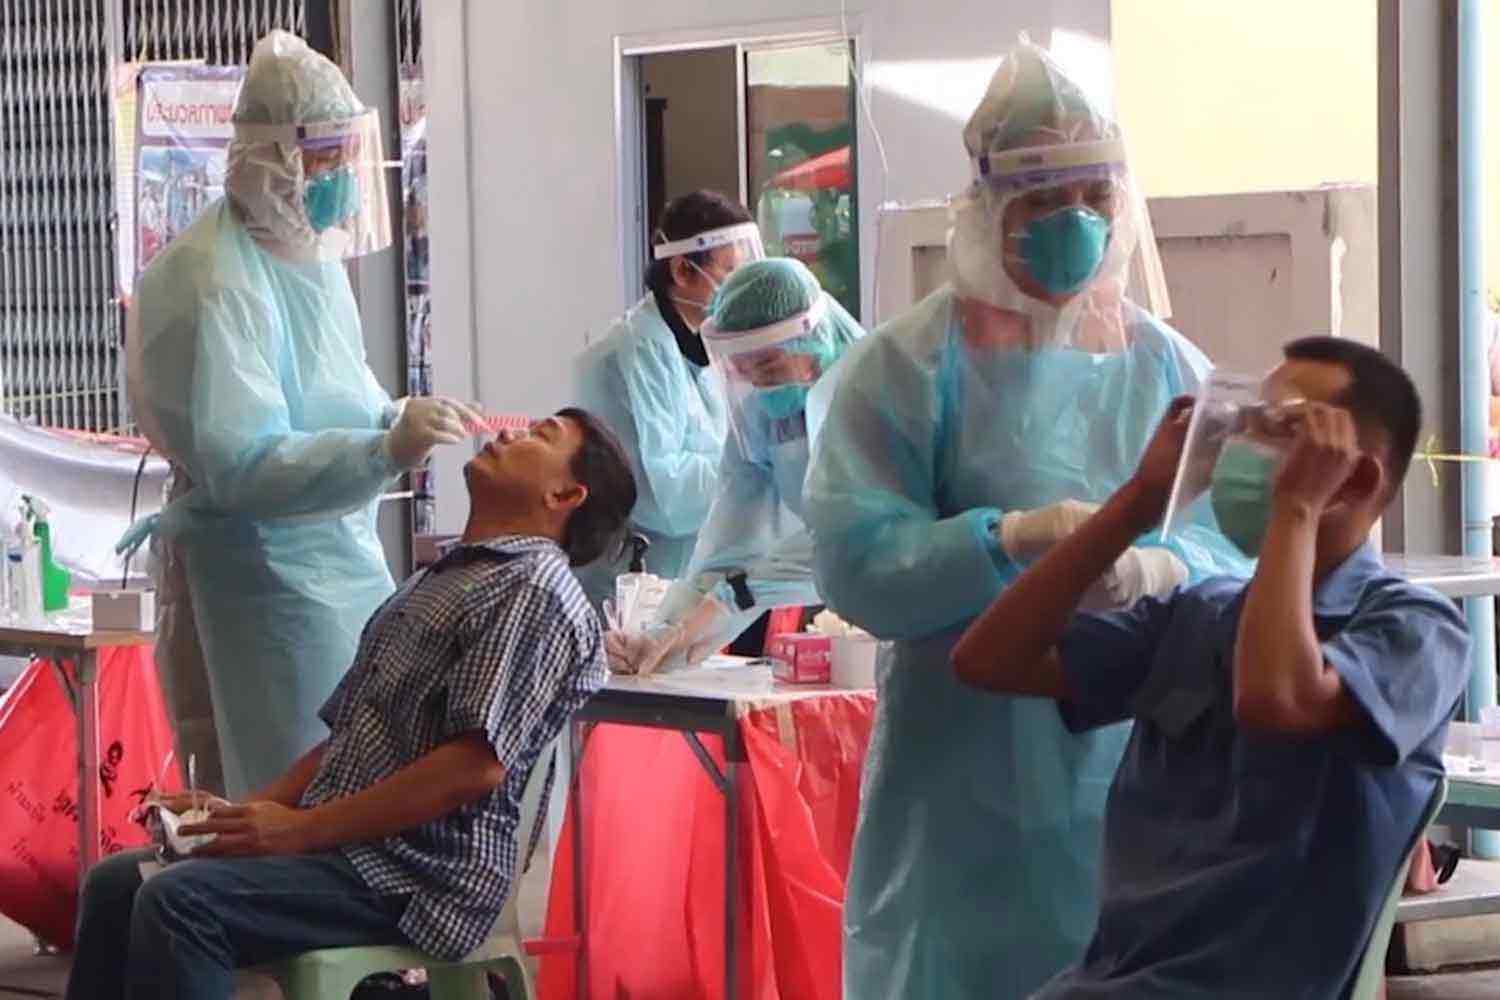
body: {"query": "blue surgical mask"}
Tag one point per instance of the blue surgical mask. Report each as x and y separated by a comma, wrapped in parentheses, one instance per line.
(331, 198)
(683, 300)
(1240, 493)
(713, 300)
(783, 401)
(1063, 249)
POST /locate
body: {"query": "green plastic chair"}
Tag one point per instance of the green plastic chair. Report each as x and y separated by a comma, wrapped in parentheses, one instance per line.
(1372, 967)
(333, 973)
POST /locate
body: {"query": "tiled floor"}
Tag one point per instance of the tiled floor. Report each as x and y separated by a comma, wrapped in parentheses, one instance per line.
(24, 976)
(21, 974)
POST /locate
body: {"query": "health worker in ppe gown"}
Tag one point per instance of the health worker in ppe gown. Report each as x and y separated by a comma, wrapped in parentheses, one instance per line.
(649, 378)
(775, 337)
(247, 370)
(965, 437)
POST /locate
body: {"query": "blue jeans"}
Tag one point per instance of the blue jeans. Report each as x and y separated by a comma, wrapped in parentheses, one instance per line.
(181, 934)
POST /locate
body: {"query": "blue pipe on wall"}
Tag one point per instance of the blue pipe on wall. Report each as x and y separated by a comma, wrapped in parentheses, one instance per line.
(1474, 361)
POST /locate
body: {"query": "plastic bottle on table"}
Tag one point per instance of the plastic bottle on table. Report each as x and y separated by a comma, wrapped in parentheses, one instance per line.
(56, 581)
(7, 598)
(26, 574)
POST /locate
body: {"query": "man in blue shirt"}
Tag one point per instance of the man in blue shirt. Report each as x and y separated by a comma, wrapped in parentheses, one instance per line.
(402, 826)
(1288, 732)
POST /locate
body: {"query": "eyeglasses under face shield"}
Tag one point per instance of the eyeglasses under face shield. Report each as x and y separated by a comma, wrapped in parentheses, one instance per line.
(343, 185)
(768, 371)
(1072, 218)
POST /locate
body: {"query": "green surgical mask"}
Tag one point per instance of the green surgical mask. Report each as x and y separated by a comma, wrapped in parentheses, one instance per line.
(331, 198)
(783, 401)
(1240, 492)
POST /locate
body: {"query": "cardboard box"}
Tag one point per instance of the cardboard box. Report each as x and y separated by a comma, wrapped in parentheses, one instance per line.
(801, 658)
(131, 610)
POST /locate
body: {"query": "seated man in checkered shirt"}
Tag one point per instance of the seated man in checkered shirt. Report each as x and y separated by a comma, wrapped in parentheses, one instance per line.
(401, 827)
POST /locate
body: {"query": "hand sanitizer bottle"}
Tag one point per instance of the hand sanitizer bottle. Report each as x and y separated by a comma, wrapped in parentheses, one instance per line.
(27, 572)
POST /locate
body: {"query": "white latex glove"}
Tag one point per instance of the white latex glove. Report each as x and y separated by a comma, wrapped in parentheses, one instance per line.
(695, 639)
(1138, 573)
(640, 652)
(701, 629)
(1026, 534)
(424, 422)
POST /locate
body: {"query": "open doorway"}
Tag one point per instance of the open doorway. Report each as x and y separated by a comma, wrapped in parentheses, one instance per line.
(770, 122)
(692, 125)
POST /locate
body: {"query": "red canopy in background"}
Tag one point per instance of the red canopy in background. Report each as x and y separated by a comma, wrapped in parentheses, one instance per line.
(830, 170)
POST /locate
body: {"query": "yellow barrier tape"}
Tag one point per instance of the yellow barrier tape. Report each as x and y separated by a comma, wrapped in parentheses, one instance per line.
(1431, 456)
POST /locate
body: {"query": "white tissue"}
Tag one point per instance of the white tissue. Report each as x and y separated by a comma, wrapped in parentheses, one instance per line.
(637, 598)
(171, 822)
(828, 623)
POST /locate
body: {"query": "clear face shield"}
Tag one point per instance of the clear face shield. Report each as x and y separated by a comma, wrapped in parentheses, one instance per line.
(768, 373)
(1059, 235)
(742, 239)
(343, 199)
(1235, 442)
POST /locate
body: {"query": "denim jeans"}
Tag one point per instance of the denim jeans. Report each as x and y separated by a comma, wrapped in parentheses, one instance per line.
(181, 934)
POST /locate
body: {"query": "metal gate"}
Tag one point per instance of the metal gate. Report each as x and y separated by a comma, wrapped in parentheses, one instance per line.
(409, 32)
(61, 355)
(416, 262)
(220, 32)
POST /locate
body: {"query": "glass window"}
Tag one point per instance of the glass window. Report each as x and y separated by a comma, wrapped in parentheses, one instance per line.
(801, 159)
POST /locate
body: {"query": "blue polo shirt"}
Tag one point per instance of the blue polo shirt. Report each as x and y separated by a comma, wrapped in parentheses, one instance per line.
(1239, 864)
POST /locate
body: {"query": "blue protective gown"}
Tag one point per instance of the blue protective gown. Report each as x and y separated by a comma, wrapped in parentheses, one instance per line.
(753, 529)
(670, 415)
(975, 859)
(252, 378)
(757, 523)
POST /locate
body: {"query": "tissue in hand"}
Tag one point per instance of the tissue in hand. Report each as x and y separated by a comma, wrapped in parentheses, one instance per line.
(168, 823)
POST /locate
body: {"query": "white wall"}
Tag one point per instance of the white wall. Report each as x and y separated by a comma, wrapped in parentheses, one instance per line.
(523, 162)
(1249, 271)
(1246, 272)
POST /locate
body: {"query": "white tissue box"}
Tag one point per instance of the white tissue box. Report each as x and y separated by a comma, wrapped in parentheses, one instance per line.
(130, 610)
(1489, 723)
(854, 662)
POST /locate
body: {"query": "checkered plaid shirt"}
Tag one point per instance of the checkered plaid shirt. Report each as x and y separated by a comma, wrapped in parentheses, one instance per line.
(495, 638)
